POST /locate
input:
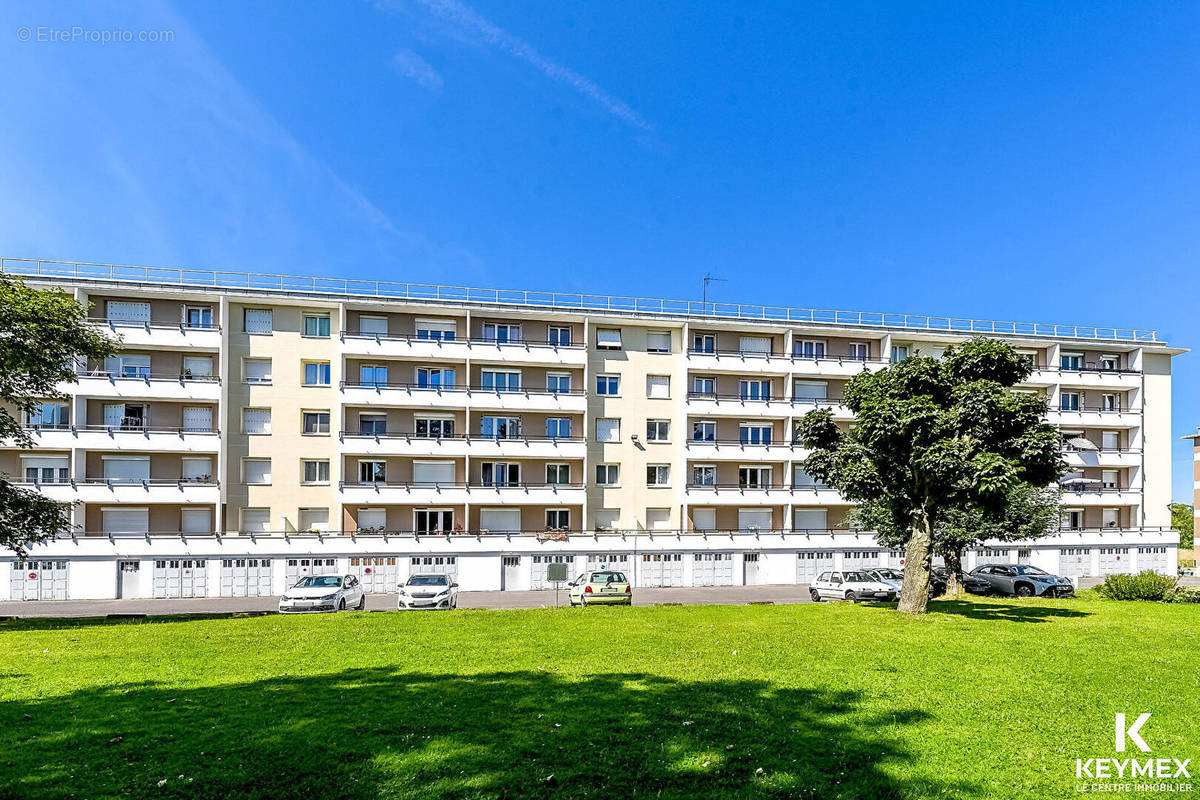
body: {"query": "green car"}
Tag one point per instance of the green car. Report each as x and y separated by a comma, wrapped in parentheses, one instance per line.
(601, 587)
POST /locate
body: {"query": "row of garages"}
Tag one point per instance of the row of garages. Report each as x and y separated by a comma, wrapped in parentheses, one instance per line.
(51, 579)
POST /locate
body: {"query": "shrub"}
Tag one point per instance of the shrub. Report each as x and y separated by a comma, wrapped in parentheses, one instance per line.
(1143, 586)
(1185, 594)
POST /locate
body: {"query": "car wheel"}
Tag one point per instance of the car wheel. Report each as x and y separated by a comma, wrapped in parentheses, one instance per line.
(851, 597)
(582, 602)
(454, 604)
(341, 604)
(362, 602)
(1024, 590)
(815, 595)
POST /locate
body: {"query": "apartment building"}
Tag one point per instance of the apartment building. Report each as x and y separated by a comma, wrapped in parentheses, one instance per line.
(255, 428)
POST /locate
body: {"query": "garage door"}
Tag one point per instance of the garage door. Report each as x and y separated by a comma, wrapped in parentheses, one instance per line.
(861, 559)
(537, 578)
(661, 569)
(377, 574)
(298, 568)
(1074, 562)
(500, 520)
(246, 577)
(1153, 559)
(811, 563)
(990, 555)
(616, 561)
(433, 565)
(712, 569)
(180, 577)
(39, 580)
(1115, 560)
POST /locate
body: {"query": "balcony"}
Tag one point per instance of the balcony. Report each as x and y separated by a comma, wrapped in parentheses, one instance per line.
(1090, 377)
(127, 437)
(1094, 416)
(456, 397)
(712, 404)
(146, 386)
(162, 335)
(737, 495)
(407, 444)
(134, 492)
(1100, 496)
(1127, 457)
(739, 361)
(460, 493)
(523, 352)
(736, 449)
(572, 401)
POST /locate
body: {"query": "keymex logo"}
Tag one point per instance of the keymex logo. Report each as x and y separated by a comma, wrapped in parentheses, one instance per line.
(1131, 774)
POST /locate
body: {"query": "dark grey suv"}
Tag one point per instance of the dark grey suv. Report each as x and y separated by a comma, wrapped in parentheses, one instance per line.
(1023, 580)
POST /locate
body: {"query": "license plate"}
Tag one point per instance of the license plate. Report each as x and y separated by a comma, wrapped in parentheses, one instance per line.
(608, 589)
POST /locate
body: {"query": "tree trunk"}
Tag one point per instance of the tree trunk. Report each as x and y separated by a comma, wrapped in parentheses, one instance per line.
(914, 594)
(954, 572)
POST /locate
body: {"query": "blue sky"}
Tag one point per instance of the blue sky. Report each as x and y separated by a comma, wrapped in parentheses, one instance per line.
(1028, 162)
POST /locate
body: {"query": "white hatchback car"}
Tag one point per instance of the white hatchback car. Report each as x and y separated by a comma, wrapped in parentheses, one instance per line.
(849, 585)
(324, 593)
(428, 591)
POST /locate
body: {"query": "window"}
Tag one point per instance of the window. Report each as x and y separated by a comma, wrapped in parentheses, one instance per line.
(500, 427)
(316, 325)
(434, 427)
(754, 390)
(754, 477)
(658, 387)
(1108, 479)
(810, 390)
(754, 434)
(1109, 402)
(372, 326)
(500, 381)
(372, 375)
(313, 519)
(258, 320)
(372, 471)
(808, 348)
(608, 338)
(704, 475)
(315, 470)
(1110, 517)
(1071, 361)
(501, 332)
(256, 420)
(608, 474)
(46, 469)
(859, 351)
(658, 341)
(704, 386)
(128, 365)
(558, 474)
(48, 414)
(197, 317)
(435, 378)
(439, 330)
(558, 519)
(558, 336)
(754, 345)
(608, 430)
(433, 520)
(658, 475)
(1110, 440)
(608, 385)
(316, 373)
(1068, 401)
(315, 422)
(197, 368)
(256, 370)
(125, 416)
(558, 428)
(704, 431)
(658, 430)
(256, 520)
(802, 480)
(256, 471)
(500, 473)
(558, 383)
(899, 353)
(1109, 363)
(372, 424)
(704, 343)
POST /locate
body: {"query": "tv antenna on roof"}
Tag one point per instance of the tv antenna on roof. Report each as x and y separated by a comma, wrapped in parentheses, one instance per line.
(708, 278)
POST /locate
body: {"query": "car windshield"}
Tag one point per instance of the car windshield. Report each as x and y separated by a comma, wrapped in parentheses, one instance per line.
(428, 580)
(858, 577)
(608, 577)
(889, 574)
(1025, 569)
(313, 581)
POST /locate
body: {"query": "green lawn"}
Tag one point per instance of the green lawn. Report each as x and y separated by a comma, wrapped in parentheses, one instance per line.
(987, 698)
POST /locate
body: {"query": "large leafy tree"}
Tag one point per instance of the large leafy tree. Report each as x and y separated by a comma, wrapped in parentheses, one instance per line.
(1183, 519)
(938, 444)
(43, 334)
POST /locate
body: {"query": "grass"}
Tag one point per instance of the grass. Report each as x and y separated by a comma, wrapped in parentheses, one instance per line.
(981, 698)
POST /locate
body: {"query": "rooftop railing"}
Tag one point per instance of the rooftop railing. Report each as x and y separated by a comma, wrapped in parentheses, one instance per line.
(350, 288)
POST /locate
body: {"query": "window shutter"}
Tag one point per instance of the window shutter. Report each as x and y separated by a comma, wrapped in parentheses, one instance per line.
(257, 370)
(608, 430)
(658, 387)
(123, 311)
(256, 470)
(258, 420)
(658, 342)
(258, 320)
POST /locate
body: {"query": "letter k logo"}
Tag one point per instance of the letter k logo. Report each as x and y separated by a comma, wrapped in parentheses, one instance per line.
(1131, 732)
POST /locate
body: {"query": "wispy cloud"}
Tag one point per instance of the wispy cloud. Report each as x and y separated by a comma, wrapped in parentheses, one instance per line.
(411, 65)
(470, 23)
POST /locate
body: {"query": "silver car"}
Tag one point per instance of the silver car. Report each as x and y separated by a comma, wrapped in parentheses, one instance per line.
(1024, 580)
(324, 593)
(428, 591)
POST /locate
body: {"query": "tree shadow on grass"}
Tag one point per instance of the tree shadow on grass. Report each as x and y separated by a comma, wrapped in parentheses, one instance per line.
(1008, 612)
(377, 733)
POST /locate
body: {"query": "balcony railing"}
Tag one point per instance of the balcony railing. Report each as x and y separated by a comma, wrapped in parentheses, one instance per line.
(145, 483)
(183, 327)
(739, 487)
(409, 386)
(472, 340)
(456, 485)
(458, 437)
(185, 376)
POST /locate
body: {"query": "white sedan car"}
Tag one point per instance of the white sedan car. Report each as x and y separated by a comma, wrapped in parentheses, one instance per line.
(324, 593)
(428, 591)
(852, 585)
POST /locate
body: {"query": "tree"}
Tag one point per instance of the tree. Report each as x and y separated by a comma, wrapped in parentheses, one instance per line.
(938, 444)
(1183, 519)
(43, 334)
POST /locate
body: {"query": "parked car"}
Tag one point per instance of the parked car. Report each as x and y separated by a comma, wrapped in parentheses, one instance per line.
(852, 585)
(892, 577)
(601, 586)
(972, 583)
(1024, 580)
(324, 593)
(428, 591)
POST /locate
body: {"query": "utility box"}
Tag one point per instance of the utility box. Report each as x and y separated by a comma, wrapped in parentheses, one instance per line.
(556, 573)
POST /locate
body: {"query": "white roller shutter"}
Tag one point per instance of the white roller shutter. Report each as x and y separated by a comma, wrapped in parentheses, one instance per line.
(372, 518)
(258, 320)
(197, 468)
(373, 326)
(433, 472)
(125, 468)
(256, 470)
(658, 387)
(750, 519)
(256, 520)
(441, 326)
(658, 341)
(809, 519)
(198, 366)
(196, 520)
(197, 419)
(125, 311)
(704, 519)
(608, 430)
(500, 520)
(114, 415)
(257, 370)
(1110, 440)
(257, 420)
(810, 390)
(658, 519)
(755, 345)
(607, 518)
(125, 520)
(45, 462)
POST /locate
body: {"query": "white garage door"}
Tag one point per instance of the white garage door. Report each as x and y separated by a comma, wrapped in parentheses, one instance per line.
(991, 555)
(500, 520)
(246, 577)
(1153, 559)
(124, 311)
(661, 569)
(298, 568)
(537, 578)
(377, 574)
(614, 561)
(1074, 562)
(180, 577)
(39, 580)
(861, 559)
(754, 519)
(434, 565)
(1115, 560)
(712, 569)
(811, 563)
